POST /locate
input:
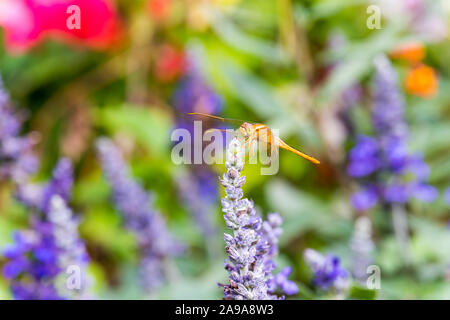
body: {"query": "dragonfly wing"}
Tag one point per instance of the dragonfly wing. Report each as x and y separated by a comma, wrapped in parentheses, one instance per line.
(204, 116)
(268, 149)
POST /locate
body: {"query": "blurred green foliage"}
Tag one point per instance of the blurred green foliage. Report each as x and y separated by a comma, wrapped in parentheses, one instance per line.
(247, 55)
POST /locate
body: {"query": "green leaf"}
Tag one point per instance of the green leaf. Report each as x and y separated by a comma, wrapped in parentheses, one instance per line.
(361, 293)
(246, 43)
(149, 126)
(302, 212)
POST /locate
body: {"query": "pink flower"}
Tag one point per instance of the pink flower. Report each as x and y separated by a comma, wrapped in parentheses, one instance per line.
(26, 22)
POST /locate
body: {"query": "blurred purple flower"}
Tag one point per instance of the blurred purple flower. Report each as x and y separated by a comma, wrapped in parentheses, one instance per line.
(396, 153)
(198, 189)
(60, 184)
(199, 192)
(16, 159)
(271, 231)
(447, 195)
(155, 242)
(281, 281)
(424, 192)
(39, 255)
(385, 157)
(396, 193)
(419, 168)
(71, 248)
(32, 263)
(328, 272)
(38, 196)
(363, 157)
(388, 113)
(194, 95)
(365, 198)
(361, 246)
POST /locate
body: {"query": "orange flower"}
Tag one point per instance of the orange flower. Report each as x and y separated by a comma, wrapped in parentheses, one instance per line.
(412, 52)
(421, 81)
(159, 9)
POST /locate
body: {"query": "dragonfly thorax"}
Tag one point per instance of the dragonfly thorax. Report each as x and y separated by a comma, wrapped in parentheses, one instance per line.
(246, 129)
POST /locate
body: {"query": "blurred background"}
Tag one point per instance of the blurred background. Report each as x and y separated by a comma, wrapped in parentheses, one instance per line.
(335, 77)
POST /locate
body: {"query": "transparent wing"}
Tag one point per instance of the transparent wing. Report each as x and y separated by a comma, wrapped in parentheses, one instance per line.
(263, 145)
(193, 116)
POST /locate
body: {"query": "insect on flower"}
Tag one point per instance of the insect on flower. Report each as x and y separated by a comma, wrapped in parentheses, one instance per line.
(251, 133)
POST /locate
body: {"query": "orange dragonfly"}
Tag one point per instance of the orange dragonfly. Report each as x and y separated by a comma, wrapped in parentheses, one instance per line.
(256, 132)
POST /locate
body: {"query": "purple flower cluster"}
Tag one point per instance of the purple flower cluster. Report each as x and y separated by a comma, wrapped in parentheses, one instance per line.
(194, 95)
(328, 272)
(270, 232)
(198, 189)
(37, 196)
(447, 195)
(199, 193)
(361, 246)
(16, 159)
(41, 254)
(32, 264)
(388, 172)
(155, 242)
(71, 249)
(253, 244)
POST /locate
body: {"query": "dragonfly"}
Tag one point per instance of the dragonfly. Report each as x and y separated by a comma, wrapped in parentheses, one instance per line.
(257, 132)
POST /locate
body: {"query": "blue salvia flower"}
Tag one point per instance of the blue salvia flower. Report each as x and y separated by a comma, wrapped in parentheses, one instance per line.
(389, 173)
(245, 249)
(361, 246)
(271, 231)
(253, 244)
(328, 272)
(447, 196)
(199, 195)
(198, 189)
(155, 242)
(37, 196)
(72, 250)
(32, 264)
(193, 94)
(40, 255)
(17, 161)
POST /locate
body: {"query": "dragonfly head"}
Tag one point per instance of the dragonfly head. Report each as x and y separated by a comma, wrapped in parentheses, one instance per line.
(246, 129)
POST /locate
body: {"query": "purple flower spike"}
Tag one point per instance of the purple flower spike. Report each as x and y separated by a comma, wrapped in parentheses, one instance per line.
(72, 251)
(38, 196)
(245, 248)
(199, 193)
(51, 247)
(155, 242)
(384, 160)
(281, 281)
(17, 161)
(388, 106)
(253, 244)
(447, 196)
(365, 198)
(362, 247)
(363, 157)
(60, 184)
(194, 95)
